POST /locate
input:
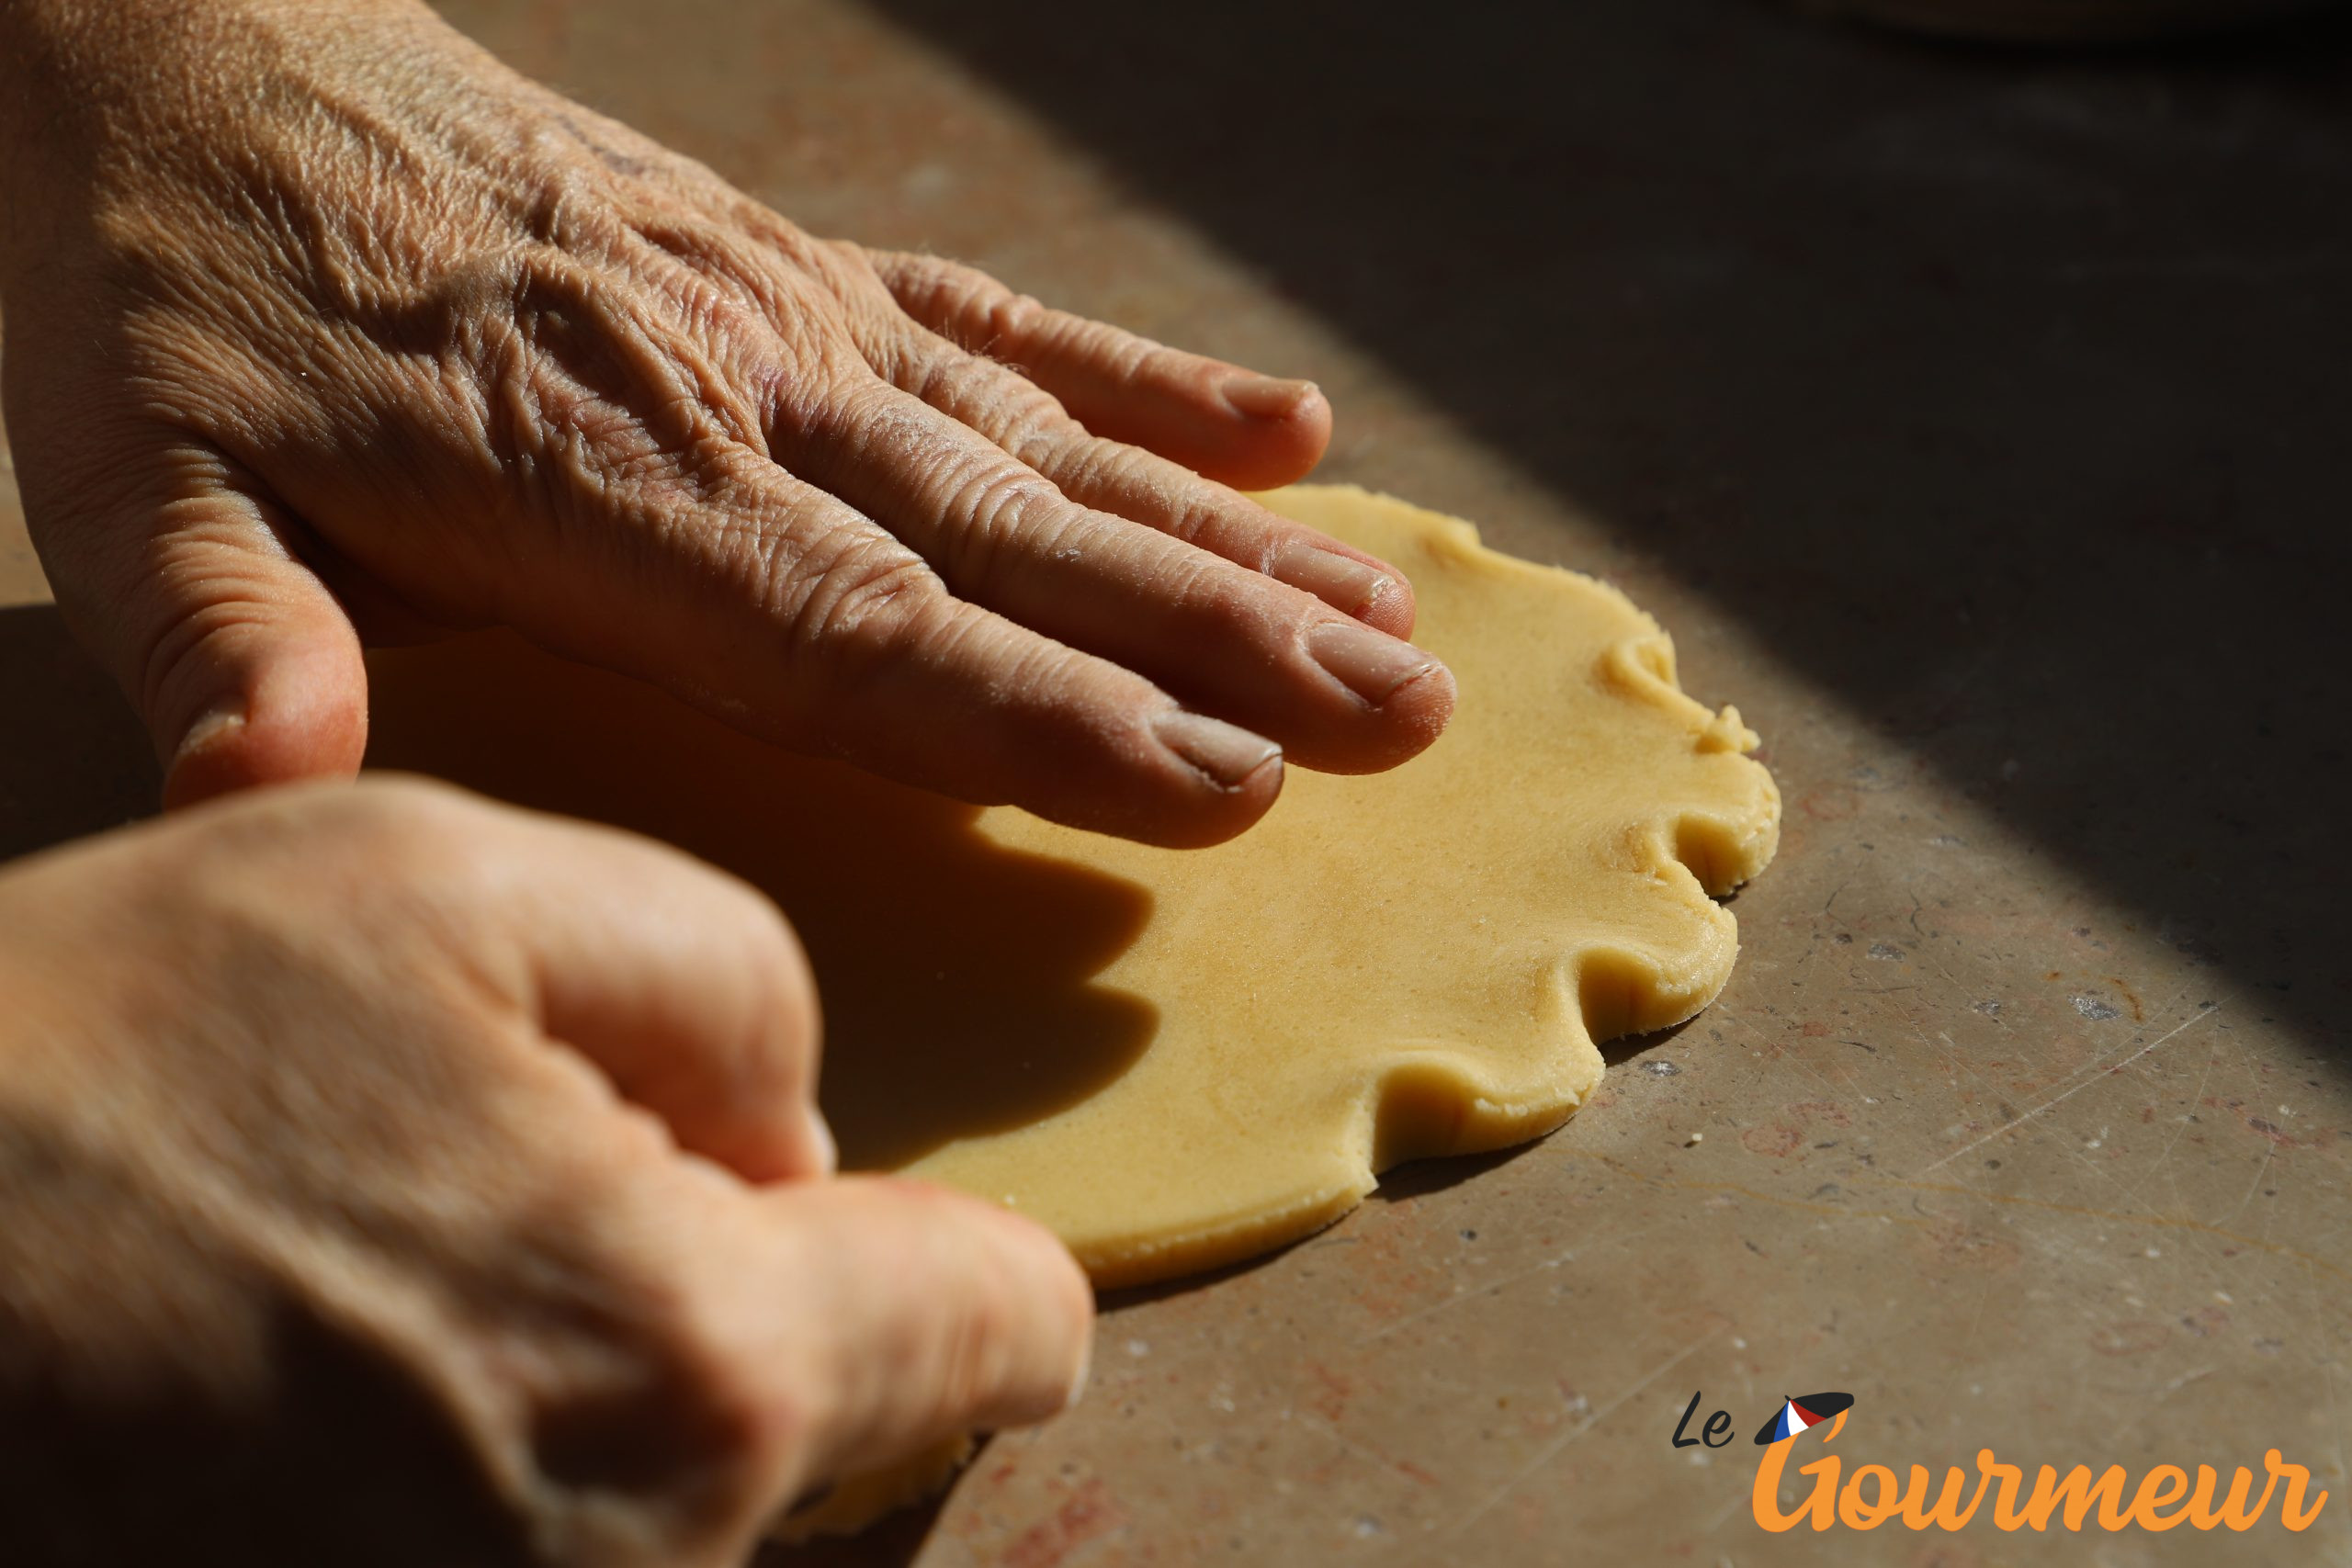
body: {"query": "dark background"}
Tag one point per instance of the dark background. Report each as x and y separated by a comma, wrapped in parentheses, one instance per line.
(2075, 534)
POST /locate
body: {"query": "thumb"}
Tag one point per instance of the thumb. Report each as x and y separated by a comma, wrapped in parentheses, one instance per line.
(910, 1313)
(240, 660)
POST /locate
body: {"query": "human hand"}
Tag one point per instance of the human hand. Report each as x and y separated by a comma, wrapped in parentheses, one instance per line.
(388, 1177)
(314, 294)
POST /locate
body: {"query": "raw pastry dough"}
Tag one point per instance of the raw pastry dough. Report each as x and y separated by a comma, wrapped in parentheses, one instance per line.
(1179, 1058)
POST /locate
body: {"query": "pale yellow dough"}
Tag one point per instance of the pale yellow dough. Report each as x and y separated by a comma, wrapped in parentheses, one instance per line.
(1179, 1058)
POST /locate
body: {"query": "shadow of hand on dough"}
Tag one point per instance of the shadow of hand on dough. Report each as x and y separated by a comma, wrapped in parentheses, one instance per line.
(956, 975)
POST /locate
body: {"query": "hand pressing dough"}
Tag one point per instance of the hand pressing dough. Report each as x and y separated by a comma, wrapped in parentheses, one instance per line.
(1180, 1058)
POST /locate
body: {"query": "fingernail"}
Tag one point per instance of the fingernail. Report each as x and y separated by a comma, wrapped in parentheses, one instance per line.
(1077, 1385)
(1266, 397)
(1373, 665)
(1228, 753)
(189, 773)
(821, 1139)
(209, 728)
(1342, 582)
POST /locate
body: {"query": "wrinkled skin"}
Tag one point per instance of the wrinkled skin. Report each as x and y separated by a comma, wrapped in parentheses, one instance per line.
(388, 1177)
(318, 315)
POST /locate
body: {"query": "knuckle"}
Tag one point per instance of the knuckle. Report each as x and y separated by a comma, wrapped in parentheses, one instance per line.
(1222, 604)
(1029, 423)
(721, 278)
(854, 272)
(1161, 496)
(1226, 601)
(854, 609)
(719, 1382)
(1001, 514)
(1006, 319)
(903, 273)
(1214, 517)
(723, 319)
(668, 1395)
(1032, 424)
(792, 244)
(978, 310)
(1127, 359)
(825, 395)
(566, 202)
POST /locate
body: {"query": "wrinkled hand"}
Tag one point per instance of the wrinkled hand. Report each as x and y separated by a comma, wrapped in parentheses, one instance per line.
(344, 1216)
(313, 295)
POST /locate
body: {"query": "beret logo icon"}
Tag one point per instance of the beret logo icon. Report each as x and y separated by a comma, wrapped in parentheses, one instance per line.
(1795, 1415)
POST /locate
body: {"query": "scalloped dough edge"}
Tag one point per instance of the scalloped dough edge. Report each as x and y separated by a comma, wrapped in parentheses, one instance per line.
(1421, 1104)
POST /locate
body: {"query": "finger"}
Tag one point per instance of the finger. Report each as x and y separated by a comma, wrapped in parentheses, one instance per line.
(181, 578)
(1127, 481)
(1338, 695)
(684, 985)
(911, 1314)
(1232, 424)
(837, 632)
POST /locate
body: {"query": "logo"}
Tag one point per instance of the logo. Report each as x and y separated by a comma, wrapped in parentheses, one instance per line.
(2081, 1498)
(1797, 1414)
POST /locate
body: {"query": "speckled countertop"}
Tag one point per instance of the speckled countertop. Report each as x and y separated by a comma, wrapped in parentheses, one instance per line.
(1977, 423)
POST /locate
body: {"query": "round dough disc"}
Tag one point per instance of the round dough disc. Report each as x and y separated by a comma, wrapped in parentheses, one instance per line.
(1418, 962)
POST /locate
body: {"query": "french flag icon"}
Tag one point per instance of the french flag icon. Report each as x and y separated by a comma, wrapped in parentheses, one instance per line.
(1797, 1414)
